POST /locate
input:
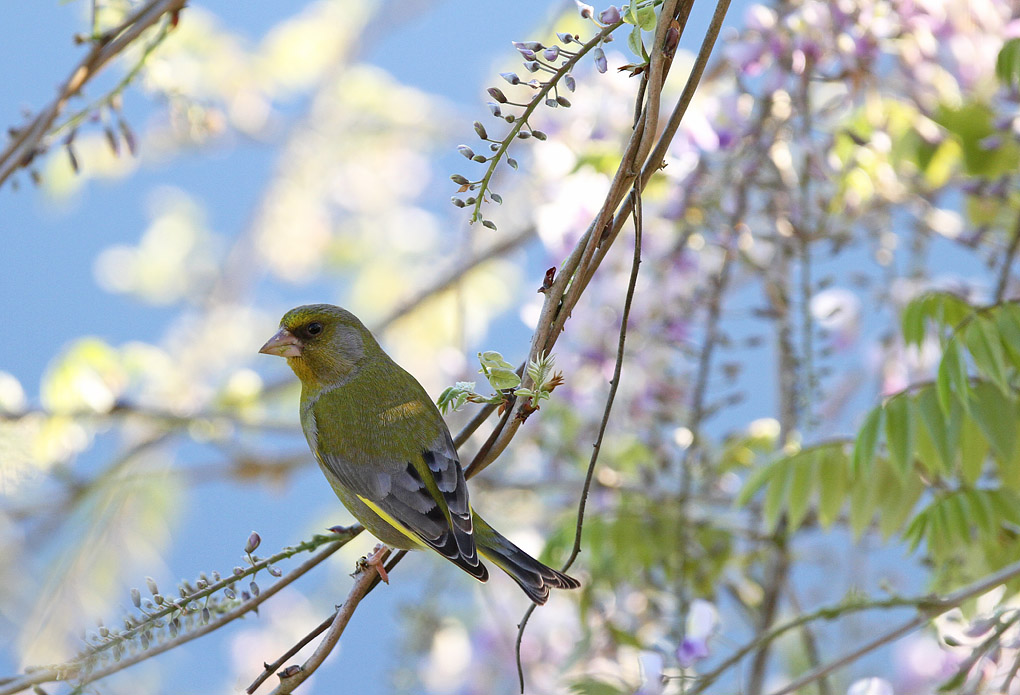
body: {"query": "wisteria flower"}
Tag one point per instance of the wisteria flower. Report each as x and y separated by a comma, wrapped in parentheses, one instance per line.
(702, 621)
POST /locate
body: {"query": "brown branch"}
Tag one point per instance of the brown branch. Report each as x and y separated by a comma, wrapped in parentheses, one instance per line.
(316, 631)
(614, 385)
(28, 140)
(579, 267)
(270, 669)
(296, 675)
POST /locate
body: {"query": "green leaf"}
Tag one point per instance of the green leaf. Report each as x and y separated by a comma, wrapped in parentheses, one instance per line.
(776, 494)
(759, 476)
(996, 415)
(981, 511)
(1007, 63)
(985, 346)
(952, 377)
(924, 451)
(1006, 505)
(501, 378)
(938, 533)
(454, 397)
(805, 468)
(646, 17)
(969, 123)
(912, 321)
(943, 433)
(1007, 319)
(863, 498)
(896, 500)
(634, 42)
(899, 433)
(630, 13)
(949, 309)
(867, 438)
(957, 519)
(973, 450)
(915, 532)
(491, 359)
(1009, 469)
(832, 485)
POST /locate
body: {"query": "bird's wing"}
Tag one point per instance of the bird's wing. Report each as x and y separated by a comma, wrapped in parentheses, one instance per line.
(424, 497)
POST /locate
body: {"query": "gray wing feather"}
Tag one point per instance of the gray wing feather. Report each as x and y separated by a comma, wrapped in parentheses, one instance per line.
(397, 488)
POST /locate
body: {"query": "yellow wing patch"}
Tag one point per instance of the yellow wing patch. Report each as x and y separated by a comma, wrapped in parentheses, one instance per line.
(390, 520)
(402, 411)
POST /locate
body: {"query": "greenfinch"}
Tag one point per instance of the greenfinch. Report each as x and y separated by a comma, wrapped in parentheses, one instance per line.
(386, 450)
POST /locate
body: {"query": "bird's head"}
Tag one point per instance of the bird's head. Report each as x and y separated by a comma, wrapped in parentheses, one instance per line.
(323, 343)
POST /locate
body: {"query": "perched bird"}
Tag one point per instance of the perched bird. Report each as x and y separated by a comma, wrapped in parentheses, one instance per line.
(386, 450)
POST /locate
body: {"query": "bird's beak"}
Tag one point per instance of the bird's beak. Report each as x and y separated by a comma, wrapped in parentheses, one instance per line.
(283, 344)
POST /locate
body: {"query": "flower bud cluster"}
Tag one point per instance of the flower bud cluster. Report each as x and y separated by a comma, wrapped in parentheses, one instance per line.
(549, 70)
(162, 617)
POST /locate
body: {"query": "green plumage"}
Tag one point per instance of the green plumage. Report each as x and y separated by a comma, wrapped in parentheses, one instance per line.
(386, 450)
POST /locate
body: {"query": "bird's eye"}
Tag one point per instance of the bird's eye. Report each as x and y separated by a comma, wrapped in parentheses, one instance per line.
(314, 328)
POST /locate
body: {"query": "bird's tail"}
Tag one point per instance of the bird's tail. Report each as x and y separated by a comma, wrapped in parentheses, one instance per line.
(535, 578)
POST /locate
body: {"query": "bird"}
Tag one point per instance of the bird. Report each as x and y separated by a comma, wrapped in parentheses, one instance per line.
(387, 452)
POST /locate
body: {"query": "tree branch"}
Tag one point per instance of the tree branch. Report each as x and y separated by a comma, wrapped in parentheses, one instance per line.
(27, 142)
(607, 410)
(576, 272)
(296, 675)
(927, 611)
(1007, 263)
(78, 668)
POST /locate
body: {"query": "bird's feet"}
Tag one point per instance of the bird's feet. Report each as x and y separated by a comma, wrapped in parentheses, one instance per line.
(376, 560)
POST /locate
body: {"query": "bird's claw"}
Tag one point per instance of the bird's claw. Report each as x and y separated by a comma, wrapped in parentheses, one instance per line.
(376, 560)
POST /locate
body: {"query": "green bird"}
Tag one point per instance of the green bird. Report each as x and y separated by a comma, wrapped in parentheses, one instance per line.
(386, 450)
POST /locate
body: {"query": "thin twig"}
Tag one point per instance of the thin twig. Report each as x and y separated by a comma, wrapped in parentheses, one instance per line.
(825, 613)
(70, 671)
(270, 669)
(655, 159)
(807, 638)
(28, 141)
(1007, 263)
(597, 447)
(452, 276)
(927, 612)
(167, 418)
(578, 268)
(295, 676)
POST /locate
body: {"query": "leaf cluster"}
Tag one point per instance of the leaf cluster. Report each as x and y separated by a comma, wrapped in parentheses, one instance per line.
(948, 445)
(505, 382)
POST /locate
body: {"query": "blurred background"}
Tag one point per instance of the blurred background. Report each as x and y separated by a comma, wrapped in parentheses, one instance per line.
(839, 159)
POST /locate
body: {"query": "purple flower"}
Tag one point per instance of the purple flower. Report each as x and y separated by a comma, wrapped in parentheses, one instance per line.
(587, 11)
(600, 60)
(610, 15)
(702, 621)
(691, 650)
